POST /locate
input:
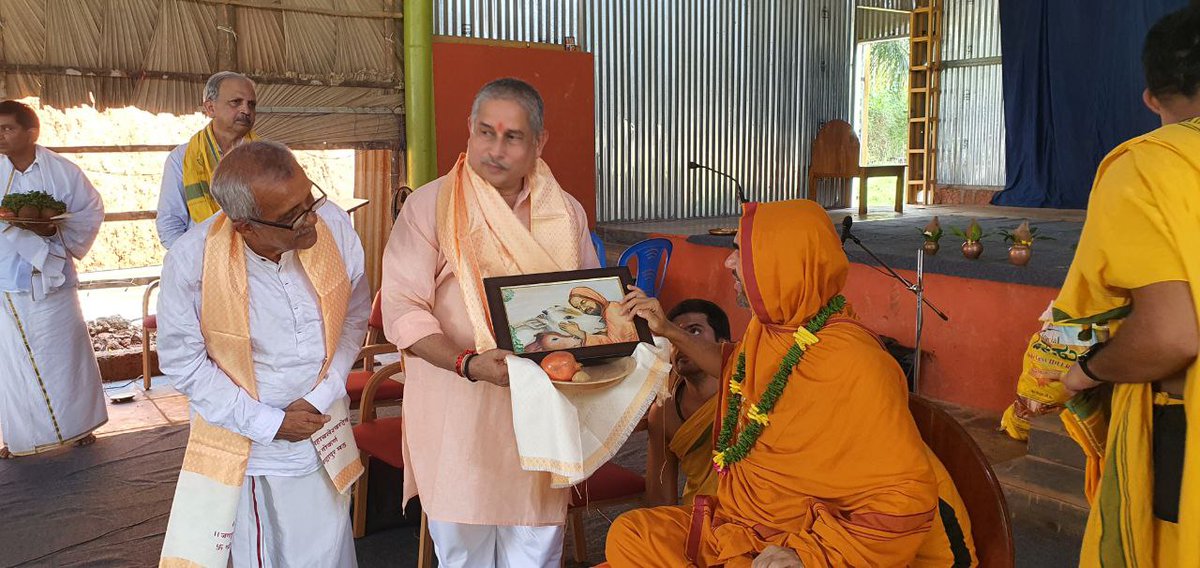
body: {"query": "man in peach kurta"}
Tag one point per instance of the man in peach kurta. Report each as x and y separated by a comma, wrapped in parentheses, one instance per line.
(498, 212)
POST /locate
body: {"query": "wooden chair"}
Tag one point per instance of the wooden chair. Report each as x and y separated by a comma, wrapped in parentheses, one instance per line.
(389, 393)
(149, 323)
(610, 485)
(835, 153)
(991, 528)
(974, 478)
(380, 438)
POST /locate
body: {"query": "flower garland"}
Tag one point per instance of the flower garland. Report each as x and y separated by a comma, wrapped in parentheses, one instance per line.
(756, 415)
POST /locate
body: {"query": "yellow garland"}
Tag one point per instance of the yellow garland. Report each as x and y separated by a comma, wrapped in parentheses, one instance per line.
(753, 413)
(719, 459)
(805, 338)
(735, 387)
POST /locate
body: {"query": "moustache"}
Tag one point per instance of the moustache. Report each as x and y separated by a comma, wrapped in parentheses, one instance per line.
(494, 164)
(244, 119)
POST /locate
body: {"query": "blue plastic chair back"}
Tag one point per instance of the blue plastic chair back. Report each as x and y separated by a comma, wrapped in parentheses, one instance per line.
(599, 244)
(650, 253)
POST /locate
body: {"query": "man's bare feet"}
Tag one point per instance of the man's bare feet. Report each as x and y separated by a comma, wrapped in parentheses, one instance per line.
(85, 441)
(4, 453)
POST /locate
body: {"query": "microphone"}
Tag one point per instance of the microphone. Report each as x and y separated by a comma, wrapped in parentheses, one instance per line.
(741, 196)
(846, 222)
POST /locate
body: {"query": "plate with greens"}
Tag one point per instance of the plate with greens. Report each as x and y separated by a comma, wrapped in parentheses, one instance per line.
(32, 207)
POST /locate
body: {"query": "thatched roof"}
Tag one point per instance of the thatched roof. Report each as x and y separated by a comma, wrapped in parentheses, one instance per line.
(327, 70)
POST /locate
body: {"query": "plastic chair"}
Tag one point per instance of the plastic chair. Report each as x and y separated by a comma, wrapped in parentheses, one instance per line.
(599, 244)
(650, 253)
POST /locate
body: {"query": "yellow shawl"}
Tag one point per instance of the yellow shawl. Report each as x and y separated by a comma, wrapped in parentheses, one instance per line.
(481, 237)
(692, 444)
(199, 161)
(1147, 192)
(214, 464)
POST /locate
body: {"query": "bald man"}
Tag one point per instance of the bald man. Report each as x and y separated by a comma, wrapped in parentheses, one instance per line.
(262, 310)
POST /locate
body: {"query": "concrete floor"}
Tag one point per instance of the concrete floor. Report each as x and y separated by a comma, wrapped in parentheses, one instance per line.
(164, 406)
(1035, 547)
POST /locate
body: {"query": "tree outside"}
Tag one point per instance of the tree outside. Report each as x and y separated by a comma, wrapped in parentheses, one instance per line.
(885, 120)
(886, 124)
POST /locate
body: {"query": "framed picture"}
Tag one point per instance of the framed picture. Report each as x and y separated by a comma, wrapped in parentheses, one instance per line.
(576, 311)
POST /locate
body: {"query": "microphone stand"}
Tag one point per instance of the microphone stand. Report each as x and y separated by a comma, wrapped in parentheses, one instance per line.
(740, 195)
(918, 290)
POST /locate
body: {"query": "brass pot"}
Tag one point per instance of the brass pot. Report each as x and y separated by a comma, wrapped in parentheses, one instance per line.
(931, 247)
(972, 249)
(1019, 254)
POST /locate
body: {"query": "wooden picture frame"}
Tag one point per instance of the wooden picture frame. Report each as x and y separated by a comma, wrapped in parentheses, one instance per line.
(562, 311)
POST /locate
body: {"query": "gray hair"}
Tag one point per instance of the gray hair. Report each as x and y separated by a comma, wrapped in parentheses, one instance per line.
(260, 160)
(517, 91)
(212, 87)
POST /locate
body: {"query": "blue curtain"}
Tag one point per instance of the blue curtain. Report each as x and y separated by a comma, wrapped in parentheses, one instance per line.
(1072, 92)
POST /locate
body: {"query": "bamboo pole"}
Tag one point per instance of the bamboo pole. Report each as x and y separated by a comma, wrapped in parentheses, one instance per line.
(419, 131)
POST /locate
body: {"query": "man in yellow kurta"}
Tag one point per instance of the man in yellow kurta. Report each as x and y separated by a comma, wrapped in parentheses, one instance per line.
(1137, 270)
(820, 463)
(681, 427)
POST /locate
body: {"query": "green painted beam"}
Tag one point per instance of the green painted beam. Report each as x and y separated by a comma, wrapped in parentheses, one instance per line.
(418, 92)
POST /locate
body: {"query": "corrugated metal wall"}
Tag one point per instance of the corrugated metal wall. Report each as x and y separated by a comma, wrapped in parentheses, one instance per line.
(972, 29)
(742, 87)
(889, 19)
(971, 130)
(541, 21)
(971, 134)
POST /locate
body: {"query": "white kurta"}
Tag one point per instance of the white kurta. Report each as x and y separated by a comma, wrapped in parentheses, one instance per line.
(173, 217)
(287, 337)
(50, 391)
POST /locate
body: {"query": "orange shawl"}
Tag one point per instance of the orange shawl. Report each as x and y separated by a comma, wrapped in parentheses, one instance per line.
(481, 237)
(840, 474)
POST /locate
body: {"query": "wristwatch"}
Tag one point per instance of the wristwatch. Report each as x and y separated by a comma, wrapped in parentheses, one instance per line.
(1087, 355)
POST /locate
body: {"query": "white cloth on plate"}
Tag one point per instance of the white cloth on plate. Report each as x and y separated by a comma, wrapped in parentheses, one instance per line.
(571, 432)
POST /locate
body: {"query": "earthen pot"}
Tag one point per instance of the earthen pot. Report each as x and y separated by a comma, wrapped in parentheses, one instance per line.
(931, 247)
(1019, 254)
(972, 249)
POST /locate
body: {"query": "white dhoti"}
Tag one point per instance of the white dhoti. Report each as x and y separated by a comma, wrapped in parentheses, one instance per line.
(50, 390)
(459, 545)
(292, 522)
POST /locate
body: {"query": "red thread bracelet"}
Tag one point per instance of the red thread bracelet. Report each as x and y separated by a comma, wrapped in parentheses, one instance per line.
(458, 364)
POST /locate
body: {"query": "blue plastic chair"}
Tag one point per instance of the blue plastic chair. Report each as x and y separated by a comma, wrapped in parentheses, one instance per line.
(599, 244)
(649, 253)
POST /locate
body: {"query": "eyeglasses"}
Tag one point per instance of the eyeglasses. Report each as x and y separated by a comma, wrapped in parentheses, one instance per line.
(319, 199)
